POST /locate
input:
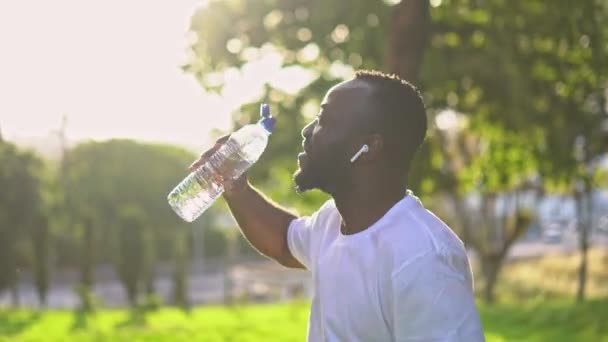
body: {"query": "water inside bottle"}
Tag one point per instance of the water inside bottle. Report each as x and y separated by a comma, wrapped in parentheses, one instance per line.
(195, 194)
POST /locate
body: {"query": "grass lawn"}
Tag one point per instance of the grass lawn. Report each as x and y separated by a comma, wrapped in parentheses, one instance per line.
(556, 320)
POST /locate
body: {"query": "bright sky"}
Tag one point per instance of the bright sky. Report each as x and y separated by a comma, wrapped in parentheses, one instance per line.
(112, 67)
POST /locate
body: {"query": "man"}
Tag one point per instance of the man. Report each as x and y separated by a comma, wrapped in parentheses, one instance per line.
(384, 267)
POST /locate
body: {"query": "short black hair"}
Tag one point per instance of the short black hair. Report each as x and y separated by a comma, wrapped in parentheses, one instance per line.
(400, 115)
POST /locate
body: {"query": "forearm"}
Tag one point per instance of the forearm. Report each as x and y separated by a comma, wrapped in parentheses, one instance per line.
(262, 222)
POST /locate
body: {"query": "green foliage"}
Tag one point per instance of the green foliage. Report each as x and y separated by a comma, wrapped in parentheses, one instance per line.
(119, 188)
(529, 77)
(42, 232)
(215, 242)
(528, 72)
(332, 31)
(20, 208)
(536, 69)
(119, 174)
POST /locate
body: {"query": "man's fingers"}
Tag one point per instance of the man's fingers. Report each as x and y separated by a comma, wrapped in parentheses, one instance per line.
(221, 140)
(195, 165)
(205, 156)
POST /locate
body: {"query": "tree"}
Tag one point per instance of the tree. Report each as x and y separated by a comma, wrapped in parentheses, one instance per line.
(535, 69)
(493, 170)
(132, 250)
(585, 97)
(20, 203)
(116, 198)
(409, 34)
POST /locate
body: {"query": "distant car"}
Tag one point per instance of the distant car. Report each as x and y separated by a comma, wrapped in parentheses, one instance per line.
(552, 236)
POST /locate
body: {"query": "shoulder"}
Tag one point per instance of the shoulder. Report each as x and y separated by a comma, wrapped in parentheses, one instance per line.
(328, 206)
(442, 264)
(319, 218)
(440, 292)
(325, 212)
(415, 236)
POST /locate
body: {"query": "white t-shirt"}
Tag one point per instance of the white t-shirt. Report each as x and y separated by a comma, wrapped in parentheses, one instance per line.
(405, 278)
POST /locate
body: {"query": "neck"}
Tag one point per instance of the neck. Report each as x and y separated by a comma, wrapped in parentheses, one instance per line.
(365, 203)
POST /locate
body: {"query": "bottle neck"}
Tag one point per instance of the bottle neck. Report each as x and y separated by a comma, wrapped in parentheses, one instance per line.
(265, 126)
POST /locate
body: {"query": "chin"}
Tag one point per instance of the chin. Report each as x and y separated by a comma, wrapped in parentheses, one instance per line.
(303, 182)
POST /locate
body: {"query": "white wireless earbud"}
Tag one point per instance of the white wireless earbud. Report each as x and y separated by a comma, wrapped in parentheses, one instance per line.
(363, 149)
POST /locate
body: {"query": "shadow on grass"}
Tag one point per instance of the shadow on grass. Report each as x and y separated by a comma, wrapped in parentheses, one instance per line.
(14, 322)
(136, 319)
(81, 320)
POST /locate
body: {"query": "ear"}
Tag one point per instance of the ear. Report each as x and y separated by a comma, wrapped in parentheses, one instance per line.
(376, 147)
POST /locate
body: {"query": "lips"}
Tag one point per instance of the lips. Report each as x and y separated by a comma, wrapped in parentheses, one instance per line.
(305, 146)
(303, 156)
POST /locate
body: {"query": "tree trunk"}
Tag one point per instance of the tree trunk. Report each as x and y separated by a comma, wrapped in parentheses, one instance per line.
(15, 294)
(490, 266)
(464, 218)
(149, 261)
(409, 34)
(180, 284)
(584, 226)
(41, 252)
(87, 257)
(229, 264)
(149, 286)
(582, 275)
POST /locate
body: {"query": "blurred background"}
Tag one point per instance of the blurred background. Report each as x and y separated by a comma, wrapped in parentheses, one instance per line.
(104, 104)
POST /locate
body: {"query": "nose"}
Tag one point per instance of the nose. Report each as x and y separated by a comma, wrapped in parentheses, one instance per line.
(307, 130)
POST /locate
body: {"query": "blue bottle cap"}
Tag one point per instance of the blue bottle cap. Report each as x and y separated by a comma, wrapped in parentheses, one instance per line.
(266, 119)
(264, 110)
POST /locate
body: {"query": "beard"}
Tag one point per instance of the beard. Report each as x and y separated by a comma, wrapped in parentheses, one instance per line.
(326, 170)
(305, 179)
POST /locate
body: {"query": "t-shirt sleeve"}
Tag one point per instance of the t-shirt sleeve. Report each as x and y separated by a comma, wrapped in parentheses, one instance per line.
(434, 302)
(303, 234)
(298, 239)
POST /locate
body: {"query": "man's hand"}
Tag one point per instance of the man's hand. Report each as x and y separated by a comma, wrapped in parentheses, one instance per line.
(231, 186)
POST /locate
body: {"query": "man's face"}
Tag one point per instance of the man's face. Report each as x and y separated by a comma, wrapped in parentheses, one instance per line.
(329, 140)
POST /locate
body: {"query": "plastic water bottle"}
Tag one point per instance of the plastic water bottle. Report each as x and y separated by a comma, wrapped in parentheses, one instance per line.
(203, 186)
